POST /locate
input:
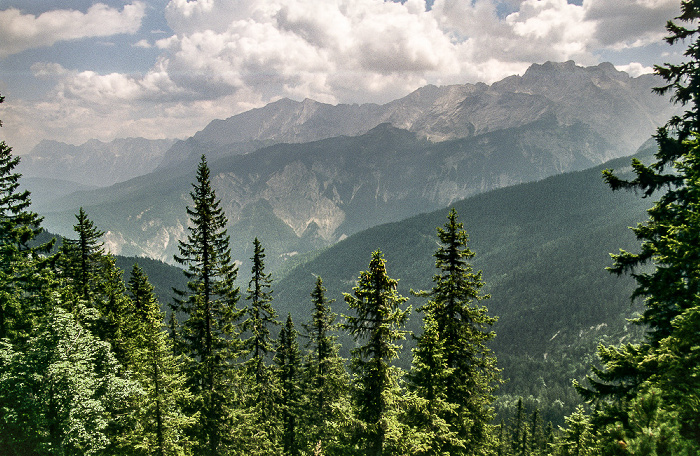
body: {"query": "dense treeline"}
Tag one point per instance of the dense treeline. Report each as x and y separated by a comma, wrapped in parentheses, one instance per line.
(89, 366)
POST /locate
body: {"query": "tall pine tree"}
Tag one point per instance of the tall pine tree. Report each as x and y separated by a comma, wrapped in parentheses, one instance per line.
(82, 259)
(326, 404)
(23, 268)
(162, 421)
(431, 412)
(288, 361)
(377, 326)
(261, 315)
(208, 336)
(262, 427)
(95, 283)
(454, 346)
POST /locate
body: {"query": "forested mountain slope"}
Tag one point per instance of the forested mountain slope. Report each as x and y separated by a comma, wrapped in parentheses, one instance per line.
(543, 248)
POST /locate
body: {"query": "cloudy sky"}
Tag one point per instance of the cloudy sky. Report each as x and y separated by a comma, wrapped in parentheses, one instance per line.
(72, 70)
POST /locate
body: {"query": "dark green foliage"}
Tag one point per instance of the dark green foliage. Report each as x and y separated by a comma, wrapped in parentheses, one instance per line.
(577, 438)
(163, 276)
(260, 313)
(464, 371)
(288, 361)
(653, 427)
(92, 280)
(543, 249)
(525, 434)
(23, 271)
(262, 391)
(538, 438)
(668, 279)
(326, 405)
(82, 259)
(160, 416)
(519, 427)
(377, 326)
(208, 337)
(433, 413)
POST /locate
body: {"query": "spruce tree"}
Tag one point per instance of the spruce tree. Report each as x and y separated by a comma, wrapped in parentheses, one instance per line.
(666, 266)
(288, 361)
(326, 403)
(113, 304)
(432, 411)
(82, 259)
(162, 421)
(377, 326)
(465, 374)
(261, 316)
(262, 426)
(95, 282)
(518, 428)
(208, 336)
(577, 437)
(23, 268)
(538, 445)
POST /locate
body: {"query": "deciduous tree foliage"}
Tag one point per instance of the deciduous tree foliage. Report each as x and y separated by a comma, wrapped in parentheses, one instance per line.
(208, 336)
(61, 392)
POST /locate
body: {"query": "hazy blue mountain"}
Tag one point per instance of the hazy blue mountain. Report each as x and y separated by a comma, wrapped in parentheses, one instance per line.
(620, 108)
(299, 197)
(94, 163)
(543, 247)
(46, 190)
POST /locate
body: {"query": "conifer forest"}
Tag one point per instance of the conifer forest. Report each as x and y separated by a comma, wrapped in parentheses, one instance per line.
(92, 363)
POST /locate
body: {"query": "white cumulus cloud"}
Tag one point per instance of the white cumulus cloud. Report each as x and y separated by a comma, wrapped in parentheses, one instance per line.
(19, 32)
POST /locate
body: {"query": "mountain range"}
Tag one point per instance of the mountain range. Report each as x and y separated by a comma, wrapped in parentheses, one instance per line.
(304, 175)
(323, 186)
(94, 163)
(620, 108)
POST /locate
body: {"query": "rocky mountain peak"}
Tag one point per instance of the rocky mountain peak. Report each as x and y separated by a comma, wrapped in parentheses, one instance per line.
(452, 112)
